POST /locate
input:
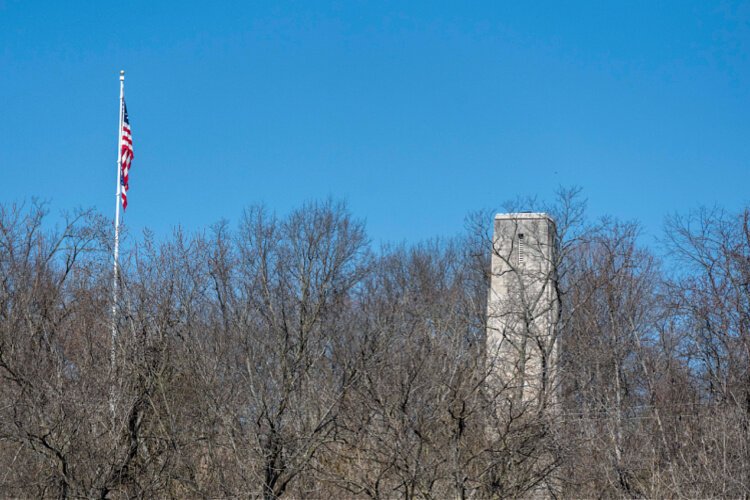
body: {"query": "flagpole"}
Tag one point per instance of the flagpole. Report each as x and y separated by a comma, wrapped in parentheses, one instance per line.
(112, 357)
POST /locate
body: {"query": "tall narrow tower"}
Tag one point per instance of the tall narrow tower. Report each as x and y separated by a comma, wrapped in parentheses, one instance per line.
(523, 308)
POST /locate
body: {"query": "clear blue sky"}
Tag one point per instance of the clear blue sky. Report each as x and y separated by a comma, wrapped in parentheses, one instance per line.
(415, 113)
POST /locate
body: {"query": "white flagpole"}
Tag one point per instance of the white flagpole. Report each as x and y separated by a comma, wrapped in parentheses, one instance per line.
(117, 238)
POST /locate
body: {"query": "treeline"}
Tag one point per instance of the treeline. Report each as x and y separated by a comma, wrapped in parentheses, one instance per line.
(286, 357)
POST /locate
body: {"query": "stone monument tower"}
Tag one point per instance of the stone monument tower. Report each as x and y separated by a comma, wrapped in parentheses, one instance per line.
(523, 308)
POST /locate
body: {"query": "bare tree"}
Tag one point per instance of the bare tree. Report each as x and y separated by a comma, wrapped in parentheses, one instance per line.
(286, 358)
(712, 300)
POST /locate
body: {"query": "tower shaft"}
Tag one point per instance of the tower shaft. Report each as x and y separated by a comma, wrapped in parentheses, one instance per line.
(523, 307)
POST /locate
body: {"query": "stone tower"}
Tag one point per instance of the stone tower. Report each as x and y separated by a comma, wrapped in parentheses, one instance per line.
(523, 308)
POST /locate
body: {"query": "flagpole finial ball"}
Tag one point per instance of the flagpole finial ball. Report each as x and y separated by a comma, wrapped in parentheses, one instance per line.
(122, 74)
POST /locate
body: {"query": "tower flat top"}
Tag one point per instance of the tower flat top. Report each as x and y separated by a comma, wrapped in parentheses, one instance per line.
(524, 215)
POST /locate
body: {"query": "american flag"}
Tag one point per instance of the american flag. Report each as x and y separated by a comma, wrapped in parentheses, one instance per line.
(126, 155)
